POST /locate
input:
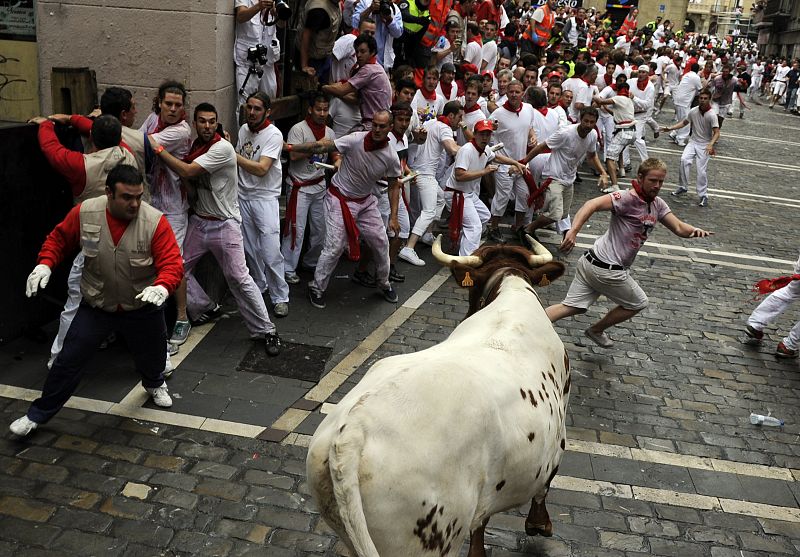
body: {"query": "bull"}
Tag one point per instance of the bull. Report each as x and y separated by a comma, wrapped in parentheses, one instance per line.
(428, 446)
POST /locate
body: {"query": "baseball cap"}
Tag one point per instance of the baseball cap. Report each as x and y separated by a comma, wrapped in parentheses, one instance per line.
(448, 67)
(484, 126)
(642, 68)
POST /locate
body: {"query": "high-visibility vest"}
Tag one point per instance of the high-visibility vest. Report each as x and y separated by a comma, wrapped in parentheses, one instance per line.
(438, 10)
(415, 11)
(541, 31)
(627, 24)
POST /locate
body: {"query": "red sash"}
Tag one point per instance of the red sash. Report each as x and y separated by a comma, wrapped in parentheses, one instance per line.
(290, 227)
(456, 222)
(353, 249)
(767, 286)
(536, 196)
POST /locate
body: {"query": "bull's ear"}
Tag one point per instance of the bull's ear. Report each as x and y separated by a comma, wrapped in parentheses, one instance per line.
(547, 273)
(466, 277)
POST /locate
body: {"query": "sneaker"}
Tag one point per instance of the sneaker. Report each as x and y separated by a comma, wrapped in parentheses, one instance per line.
(611, 189)
(22, 426)
(180, 333)
(390, 295)
(495, 236)
(656, 135)
(410, 256)
(600, 339)
(680, 143)
(273, 344)
(395, 275)
(787, 353)
(172, 349)
(703, 202)
(168, 369)
(677, 192)
(291, 278)
(281, 309)
(364, 278)
(628, 167)
(161, 396)
(578, 179)
(621, 172)
(754, 336)
(427, 239)
(208, 315)
(316, 298)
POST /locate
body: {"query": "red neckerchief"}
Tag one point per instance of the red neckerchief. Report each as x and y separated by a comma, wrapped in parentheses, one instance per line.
(562, 105)
(543, 110)
(638, 189)
(614, 87)
(476, 39)
(317, 129)
(445, 120)
(355, 32)
(586, 81)
(161, 125)
(553, 105)
(354, 69)
(507, 106)
(198, 148)
(480, 151)
(447, 90)
(642, 83)
(607, 78)
(371, 145)
(399, 138)
(427, 95)
(703, 111)
(474, 107)
(263, 125)
(705, 73)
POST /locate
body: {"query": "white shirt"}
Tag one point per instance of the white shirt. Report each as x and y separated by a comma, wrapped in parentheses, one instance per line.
(703, 125)
(361, 169)
(472, 54)
(568, 150)
(303, 169)
(429, 154)
(344, 57)
(622, 110)
(513, 129)
(688, 87)
(489, 54)
(643, 99)
(253, 146)
(758, 70)
(545, 124)
(672, 75)
(217, 193)
(469, 159)
(425, 109)
(453, 92)
(781, 72)
(581, 93)
(443, 44)
(165, 185)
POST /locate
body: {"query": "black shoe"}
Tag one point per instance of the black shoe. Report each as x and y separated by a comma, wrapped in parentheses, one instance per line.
(364, 279)
(495, 236)
(273, 343)
(208, 315)
(390, 295)
(578, 179)
(395, 275)
(677, 192)
(317, 299)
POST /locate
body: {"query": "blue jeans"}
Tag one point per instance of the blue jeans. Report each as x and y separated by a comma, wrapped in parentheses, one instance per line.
(791, 96)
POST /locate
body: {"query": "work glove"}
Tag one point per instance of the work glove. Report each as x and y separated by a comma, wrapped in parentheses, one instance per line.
(39, 277)
(155, 295)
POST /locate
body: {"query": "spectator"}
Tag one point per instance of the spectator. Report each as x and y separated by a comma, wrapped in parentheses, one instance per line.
(388, 26)
(319, 23)
(252, 17)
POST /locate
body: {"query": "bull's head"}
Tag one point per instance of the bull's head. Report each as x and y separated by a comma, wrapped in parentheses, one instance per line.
(481, 272)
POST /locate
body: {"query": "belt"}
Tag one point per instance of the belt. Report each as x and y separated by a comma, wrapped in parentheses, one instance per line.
(593, 259)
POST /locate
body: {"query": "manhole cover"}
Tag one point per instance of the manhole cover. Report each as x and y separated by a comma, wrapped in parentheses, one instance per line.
(296, 361)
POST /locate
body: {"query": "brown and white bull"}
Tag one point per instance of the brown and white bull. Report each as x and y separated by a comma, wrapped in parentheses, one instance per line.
(429, 445)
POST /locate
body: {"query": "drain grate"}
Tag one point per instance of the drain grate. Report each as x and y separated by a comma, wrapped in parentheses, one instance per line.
(296, 361)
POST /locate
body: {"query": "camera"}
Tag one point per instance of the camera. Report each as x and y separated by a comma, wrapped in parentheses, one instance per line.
(282, 10)
(386, 8)
(257, 54)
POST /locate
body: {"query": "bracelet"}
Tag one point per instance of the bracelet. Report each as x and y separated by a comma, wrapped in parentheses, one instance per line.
(158, 150)
(289, 147)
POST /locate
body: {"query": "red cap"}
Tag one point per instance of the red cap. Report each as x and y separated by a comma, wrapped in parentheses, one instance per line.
(469, 68)
(551, 75)
(484, 126)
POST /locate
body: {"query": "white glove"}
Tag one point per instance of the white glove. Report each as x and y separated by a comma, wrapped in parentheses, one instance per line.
(275, 50)
(155, 295)
(39, 277)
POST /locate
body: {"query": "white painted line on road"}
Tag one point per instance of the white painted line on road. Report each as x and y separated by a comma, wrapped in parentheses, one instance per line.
(737, 160)
(756, 138)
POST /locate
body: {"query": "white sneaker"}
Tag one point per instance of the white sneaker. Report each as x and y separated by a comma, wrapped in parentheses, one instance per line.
(427, 238)
(621, 172)
(410, 256)
(168, 367)
(22, 426)
(611, 189)
(160, 396)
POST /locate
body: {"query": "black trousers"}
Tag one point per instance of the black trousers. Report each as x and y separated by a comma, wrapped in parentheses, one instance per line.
(144, 331)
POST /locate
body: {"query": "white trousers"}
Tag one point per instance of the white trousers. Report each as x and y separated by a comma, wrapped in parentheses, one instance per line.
(681, 113)
(267, 83)
(261, 230)
(311, 214)
(755, 87)
(773, 306)
(74, 298)
(431, 203)
(641, 146)
(476, 214)
(382, 195)
(606, 126)
(691, 153)
(506, 188)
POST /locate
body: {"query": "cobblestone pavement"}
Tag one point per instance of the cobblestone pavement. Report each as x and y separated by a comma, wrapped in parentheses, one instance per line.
(661, 459)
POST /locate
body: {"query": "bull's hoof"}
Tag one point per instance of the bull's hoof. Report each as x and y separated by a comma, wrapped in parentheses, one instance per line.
(545, 530)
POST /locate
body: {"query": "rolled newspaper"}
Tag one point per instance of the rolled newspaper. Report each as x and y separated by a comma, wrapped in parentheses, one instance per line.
(497, 147)
(408, 178)
(327, 166)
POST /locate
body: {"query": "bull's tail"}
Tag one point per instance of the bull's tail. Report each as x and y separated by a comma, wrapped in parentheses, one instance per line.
(345, 455)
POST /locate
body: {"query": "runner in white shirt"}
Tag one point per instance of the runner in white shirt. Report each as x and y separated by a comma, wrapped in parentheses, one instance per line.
(474, 50)
(260, 175)
(440, 138)
(447, 88)
(489, 54)
(427, 104)
(622, 110)
(306, 191)
(643, 98)
(779, 82)
(682, 98)
(757, 75)
(581, 91)
(545, 123)
(671, 78)
(515, 131)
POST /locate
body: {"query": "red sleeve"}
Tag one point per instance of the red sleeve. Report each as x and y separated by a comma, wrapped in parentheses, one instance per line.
(166, 256)
(483, 11)
(67, 163)
(81, 123)
(63, 240)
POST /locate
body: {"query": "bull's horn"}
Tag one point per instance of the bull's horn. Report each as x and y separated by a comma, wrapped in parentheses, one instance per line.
(542, 255)
(448, 260)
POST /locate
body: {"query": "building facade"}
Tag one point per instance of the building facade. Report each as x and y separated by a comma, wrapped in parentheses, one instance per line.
(778, 26)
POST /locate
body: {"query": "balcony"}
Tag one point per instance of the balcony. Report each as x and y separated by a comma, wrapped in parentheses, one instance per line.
(777, 9)
(700, 7)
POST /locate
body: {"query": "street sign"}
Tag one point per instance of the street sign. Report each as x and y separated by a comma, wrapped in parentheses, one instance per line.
(662, 8)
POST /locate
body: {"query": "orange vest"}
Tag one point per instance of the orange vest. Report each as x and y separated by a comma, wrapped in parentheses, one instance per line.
(627, 24)
(438, 10)
(541, 31)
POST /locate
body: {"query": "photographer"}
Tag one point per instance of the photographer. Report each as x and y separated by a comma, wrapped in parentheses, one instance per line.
(319, 23)
(388, 26)
(256, 47)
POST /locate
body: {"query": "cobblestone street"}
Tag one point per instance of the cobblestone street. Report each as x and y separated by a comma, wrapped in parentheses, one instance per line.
(661, 456)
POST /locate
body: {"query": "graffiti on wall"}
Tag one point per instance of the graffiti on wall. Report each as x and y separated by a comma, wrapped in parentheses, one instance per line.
(19, 61)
